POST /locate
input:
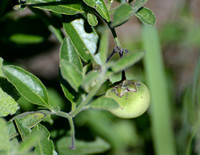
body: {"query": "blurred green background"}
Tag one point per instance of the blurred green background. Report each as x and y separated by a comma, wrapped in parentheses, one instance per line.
(170, 68)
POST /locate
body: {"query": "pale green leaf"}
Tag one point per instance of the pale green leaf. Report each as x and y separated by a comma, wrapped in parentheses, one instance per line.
(22, 129)
(82, 147)
(92, 19)
(26, 146)
(100, 7)
(4, 138)
(84, 42)
(28, 85)
(104, 46)
(8, 97)
(157, 82)
(29, 119)
(45, 145)
(89, 79)
(146, 16)
(1, 65)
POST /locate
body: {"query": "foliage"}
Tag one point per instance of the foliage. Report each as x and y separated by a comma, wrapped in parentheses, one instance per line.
(33, 115)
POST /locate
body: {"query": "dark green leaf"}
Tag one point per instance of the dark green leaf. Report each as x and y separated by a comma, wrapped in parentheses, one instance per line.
(8, 98)
(4, 138)
(71, 73)
(104, 103)
(146, 16)
(69, 54)
(100, 7)
(65, 87)
(29, 119)
(55, 100)
(126, 61)
(82, 147)
(84, 42)
(29, 86)
(62, 7)
(122, 14)
(45, 145)
(138, 4)
(92, 19)
(3, 5)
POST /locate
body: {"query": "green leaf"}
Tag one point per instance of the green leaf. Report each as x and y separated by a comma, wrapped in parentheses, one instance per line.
(103, 48)
(82, 147)
(55, 100)
(22, 128)
(8, 98)
(122, 14)
(100, 7)
(158, 85)
(28, 85)
(28, 119)
(4, 138)
(57, 33)
(126, 61)
(92, 19)
(71, 73)
(29, 143)
(104, 103)
(84, 42)
(45, 145)
(62, 7)
(1, 66)
(138, 4)
(89, 79)
(146, 16)
(69, 54)
(21, 38)
(67, 90)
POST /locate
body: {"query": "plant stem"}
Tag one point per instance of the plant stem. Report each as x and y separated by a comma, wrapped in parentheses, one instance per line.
(114, 35)
(71, 123)
(88, 98)
(102, 79)
(110, 56)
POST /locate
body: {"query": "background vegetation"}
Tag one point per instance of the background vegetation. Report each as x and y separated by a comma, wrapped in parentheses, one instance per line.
(170, 68)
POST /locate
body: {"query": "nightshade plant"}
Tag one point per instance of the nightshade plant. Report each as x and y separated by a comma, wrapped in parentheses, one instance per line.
(85, 69)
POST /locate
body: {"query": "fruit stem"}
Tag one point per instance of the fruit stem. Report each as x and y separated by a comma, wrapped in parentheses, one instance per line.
(118, 48)
(123, 71)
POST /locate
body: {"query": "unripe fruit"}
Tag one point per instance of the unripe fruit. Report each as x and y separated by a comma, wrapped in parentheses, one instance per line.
(132, 96)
